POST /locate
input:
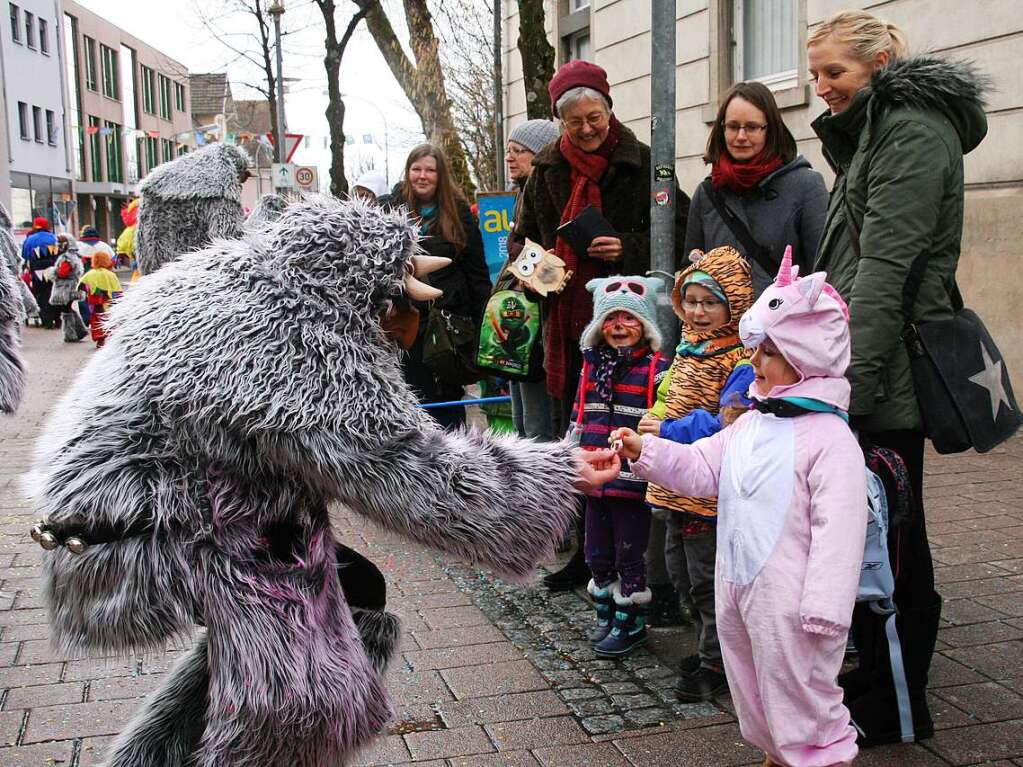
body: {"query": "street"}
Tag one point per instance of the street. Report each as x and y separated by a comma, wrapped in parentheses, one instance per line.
(495, 674)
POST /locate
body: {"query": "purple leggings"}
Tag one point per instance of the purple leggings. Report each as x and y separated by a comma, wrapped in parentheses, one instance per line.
(617, 531)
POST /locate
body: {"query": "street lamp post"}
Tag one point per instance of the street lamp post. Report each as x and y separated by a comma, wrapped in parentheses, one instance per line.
(276, 10)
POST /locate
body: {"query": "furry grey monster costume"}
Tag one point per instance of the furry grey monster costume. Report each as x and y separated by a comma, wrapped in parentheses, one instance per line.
(12, 368)
(228, 408)
(10, 253)
(189, 202)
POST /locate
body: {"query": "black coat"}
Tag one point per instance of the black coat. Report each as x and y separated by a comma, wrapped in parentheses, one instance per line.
(625, 198)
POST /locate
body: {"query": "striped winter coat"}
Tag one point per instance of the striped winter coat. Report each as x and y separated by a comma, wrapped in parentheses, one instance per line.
(635, 388)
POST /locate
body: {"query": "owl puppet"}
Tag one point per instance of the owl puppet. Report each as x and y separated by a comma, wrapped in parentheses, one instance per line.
(540, 270)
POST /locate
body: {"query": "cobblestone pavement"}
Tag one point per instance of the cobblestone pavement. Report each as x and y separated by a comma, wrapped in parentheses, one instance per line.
(496, 674)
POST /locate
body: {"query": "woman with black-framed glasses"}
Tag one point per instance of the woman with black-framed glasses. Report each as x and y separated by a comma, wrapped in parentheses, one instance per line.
(760, 195)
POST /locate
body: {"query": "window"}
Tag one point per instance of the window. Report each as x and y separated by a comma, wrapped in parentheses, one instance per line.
(110, 85)
(30, 30)
(179, 97)
(766, 45)
(579, 46)
(95, 160)
(90, 63)
(148, 91)
(165, 97)
(152, 153)
(74, 124)
(167, 149)
(44, 41)
(51, 128)
(37, 124)
(23, 120)
(15, 23)
(575, 31)
(115, 164)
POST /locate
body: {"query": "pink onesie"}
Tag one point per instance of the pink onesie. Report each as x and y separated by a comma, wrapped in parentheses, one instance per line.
(792, 519)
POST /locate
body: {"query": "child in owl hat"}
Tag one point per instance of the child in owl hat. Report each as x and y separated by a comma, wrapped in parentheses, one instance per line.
(709, 378)
(791, 488)
(622, 368)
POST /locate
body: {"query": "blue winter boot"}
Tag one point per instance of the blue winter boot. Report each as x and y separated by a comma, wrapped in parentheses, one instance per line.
(628, 630)
(603, 601)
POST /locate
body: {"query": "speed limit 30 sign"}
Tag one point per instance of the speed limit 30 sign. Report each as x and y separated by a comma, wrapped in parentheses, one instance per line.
(306, 177)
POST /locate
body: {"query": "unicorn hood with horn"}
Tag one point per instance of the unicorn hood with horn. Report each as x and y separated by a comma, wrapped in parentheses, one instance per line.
(809, 323)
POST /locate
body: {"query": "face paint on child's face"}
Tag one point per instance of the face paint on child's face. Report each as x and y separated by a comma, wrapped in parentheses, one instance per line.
(772, 368)
(704, 311)
(622, 329)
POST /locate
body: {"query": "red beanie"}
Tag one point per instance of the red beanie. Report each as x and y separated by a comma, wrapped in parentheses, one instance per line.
(574, 74)
(41, 222)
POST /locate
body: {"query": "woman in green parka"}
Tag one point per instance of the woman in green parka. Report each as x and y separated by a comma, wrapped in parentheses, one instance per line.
(895, 133)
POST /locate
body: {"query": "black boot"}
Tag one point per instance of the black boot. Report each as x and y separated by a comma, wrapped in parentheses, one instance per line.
(665, 607)
(875, 714)
(604, 602)
(575, 572)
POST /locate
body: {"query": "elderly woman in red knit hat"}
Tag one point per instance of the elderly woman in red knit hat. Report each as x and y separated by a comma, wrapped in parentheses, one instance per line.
(599, 162)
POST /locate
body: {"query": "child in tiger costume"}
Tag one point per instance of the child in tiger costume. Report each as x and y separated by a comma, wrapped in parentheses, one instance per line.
(706, 384)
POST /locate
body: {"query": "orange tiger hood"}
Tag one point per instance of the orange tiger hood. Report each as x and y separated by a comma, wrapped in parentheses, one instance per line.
(731, 271)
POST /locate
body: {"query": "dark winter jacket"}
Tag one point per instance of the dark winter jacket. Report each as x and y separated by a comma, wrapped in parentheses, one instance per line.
(898, 152)
(635, 389)
(466, 281)
(625, 198)
(786, 208)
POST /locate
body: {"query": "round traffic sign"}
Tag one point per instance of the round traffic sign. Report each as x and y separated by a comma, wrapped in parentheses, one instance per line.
(305, 176)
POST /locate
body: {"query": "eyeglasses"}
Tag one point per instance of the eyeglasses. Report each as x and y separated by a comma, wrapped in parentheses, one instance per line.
(707, 304)
(636, 287)
(622, 318)
(594, 120)
(751, 129)
(514, 152)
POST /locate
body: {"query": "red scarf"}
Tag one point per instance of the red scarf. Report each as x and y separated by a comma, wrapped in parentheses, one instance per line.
(740, 177)
(572, 309)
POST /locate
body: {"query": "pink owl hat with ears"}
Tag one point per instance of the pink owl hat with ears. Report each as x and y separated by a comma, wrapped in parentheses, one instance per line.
(809, 323)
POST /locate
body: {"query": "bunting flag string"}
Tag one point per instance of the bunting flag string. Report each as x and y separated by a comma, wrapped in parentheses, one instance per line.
(92, 130)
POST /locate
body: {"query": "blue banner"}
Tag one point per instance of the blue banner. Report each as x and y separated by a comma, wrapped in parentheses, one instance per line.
(496, 211)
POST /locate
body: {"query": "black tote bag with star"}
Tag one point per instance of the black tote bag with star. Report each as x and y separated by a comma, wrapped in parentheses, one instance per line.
(961, 383)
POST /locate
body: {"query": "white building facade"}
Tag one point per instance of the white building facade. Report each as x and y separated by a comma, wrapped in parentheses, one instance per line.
(36, 146)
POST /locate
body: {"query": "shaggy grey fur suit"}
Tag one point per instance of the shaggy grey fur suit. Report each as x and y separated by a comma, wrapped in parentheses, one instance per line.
(243, 389)
(189, 202)
(12, 368)
(11, 253)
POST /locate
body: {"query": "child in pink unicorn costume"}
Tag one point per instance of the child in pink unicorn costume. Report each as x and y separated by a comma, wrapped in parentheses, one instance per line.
(791, 487)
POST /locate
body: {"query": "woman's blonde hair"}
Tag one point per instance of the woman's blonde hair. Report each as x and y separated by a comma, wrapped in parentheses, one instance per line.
(866, 35)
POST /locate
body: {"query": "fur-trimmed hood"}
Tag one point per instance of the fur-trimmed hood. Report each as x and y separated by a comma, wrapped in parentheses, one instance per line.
(211, 172)
(954, 88)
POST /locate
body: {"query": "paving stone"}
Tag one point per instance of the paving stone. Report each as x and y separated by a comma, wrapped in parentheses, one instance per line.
(979, 743)
(78, 719)
(1009, 604)
(588, 755)
(961, 612)
(501, 708)
(645, 717)
(10, 727)
(461, 741)
(967, 572)
(388, 750)
(979, 633)
(55, 754)
(600, 724)
(497, 759)
(986, 702)
(946, 672)
(597, 707)
(120, 688)
(453, 657)
(455, 617)
(44, 695)
(901, 755)
(100, 668)
(527, 735)
(458, 637)
(93, 751)
(998, 661)
(580, 693)
(501, 678)
(719, 746)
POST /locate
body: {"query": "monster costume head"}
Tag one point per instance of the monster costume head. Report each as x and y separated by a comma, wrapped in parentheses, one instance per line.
(188, 202)
(243, 388)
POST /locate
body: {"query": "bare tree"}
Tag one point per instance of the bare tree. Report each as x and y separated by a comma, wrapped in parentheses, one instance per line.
(335, 51)
(537, 55)
(423, 82)
(465, 28)
(252, 46)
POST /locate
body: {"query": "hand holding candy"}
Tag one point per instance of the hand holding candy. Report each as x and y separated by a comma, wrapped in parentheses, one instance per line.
(596, 468)
(630, 443)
